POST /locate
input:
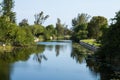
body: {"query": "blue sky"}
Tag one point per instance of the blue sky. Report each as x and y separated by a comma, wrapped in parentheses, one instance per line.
(66, 10)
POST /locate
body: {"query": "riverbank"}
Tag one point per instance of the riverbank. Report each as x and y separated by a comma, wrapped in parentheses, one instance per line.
(90, 44)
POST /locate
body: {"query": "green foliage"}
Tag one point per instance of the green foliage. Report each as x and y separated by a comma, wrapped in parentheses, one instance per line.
(80, 19)
(24, 23)
(10, 33)
(96, 27)
(7, 7)
(80, 27)
(24, 37)
(7, 29)
(40, 18)
(79, 52)
(67, 31)
(52, 31)
(20, 54)
(91, 42)
(59, 28)
(47, 35)
(37, 30)
(110, 49)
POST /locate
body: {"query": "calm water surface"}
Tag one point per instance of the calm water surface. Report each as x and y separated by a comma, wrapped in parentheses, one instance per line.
(48, 61)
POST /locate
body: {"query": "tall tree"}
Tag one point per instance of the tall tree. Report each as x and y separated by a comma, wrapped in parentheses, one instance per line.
(0, 9)
(7, 7)
(80, 27)
(110, 49)
(24, 22)
(80, 19)
(96, 26)
(59, 27)
(50, 29)
(40, 18)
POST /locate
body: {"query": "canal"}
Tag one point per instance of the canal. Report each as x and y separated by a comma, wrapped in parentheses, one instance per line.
(48, 61)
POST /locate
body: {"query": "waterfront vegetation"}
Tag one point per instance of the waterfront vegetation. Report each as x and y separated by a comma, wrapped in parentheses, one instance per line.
(24, 34)
(91, 42)
(94, 31)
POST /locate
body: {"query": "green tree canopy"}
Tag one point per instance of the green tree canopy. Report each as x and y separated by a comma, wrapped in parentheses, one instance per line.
(24, 23)
(96, 26)
(80, 19)
(80, 27)
(7, 7)
(12, 34)
(110, 49)
(37, 30)
(59, 27)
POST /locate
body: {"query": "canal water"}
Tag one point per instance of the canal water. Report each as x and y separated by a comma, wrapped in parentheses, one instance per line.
(48, 61)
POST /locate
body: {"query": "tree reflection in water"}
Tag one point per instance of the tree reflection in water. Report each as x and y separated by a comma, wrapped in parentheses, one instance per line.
(57, 49)
(106, 71)
(5, 71)
(18, 54)
(39, 57)
(79, 53)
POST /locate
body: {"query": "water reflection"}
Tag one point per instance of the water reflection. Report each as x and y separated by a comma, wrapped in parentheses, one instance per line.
(18, 54)
(57, 49)
(39, 57)
(59, 63)
(106, 71)
(79, 53)
(5, 71)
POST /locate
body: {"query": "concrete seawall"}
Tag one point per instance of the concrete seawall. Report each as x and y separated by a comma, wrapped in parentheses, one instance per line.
(91, 47)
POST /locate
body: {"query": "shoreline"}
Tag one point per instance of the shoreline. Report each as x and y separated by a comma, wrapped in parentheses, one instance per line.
(89, 46)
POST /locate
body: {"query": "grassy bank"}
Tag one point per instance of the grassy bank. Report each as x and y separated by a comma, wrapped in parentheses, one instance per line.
(91, 42)
(81, 50)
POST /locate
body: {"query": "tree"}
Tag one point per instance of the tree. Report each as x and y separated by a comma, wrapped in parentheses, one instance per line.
(23, 37)
(24, 22)
(7, 7)
(0, 9)
(80, 32)
(37, 30)
(67, 31)
(59, 28)
(11, 34)
(96, 26)
(50, 29)
(5, 28)
(80, 19)
(110, 49)
(80, 27)
(40, 18)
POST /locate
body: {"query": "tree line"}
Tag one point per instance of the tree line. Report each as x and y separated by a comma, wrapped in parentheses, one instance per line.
(83, 28)
(24, 34)
(97, 28)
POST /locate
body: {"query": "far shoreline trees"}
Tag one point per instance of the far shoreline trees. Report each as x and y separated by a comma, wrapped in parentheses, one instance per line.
(96, 26)
(80, 27)
(85, 29)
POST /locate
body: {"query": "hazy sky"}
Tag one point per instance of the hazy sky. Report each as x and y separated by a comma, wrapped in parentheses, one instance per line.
(66, 10)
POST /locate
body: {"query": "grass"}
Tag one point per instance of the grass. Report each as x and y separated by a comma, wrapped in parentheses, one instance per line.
(91, 42)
